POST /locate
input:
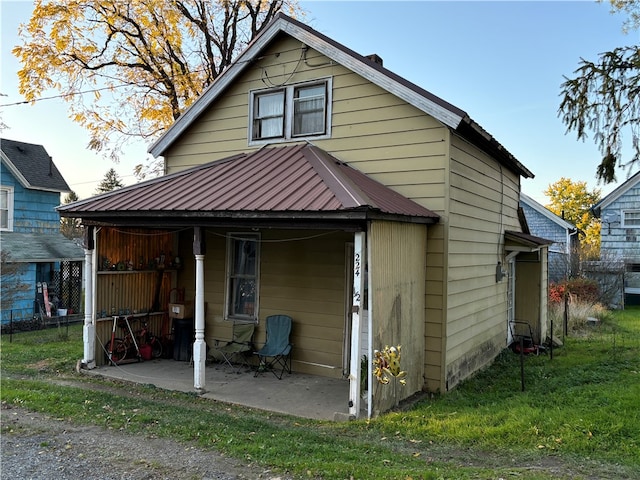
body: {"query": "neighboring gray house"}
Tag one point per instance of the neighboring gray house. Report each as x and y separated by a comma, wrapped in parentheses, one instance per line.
(544, 223)
(619, 213)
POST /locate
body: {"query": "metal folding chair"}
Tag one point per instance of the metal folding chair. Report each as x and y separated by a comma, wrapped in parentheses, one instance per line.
(236, 349)
(276, 353)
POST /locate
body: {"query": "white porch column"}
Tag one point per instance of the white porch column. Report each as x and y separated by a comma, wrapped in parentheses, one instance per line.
(89, 329)
(199, 347)
(356, 315)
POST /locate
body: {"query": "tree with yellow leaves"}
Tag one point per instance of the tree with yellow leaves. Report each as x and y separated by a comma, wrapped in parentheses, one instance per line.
(129, 69)
(573, 201)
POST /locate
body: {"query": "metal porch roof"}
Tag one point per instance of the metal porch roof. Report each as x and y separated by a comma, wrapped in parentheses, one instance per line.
(274, 182)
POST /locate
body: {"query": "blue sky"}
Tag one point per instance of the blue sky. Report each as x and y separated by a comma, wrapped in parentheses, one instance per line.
(502, 62)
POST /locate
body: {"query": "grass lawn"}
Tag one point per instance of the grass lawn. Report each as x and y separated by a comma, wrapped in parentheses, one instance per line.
(578, 417)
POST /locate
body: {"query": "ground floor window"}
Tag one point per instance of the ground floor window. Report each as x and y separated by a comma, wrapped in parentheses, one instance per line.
(242, 277)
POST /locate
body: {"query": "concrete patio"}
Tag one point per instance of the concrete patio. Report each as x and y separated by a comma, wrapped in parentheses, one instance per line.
(300, 395)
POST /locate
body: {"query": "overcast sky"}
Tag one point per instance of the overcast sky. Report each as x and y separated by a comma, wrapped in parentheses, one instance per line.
(502, 62)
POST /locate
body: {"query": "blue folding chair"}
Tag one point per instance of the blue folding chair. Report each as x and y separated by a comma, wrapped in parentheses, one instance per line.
(275, 355)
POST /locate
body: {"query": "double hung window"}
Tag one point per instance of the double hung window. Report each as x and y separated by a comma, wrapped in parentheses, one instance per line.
(631, 218)
(6, 208)
(242, 282)
(290, 112)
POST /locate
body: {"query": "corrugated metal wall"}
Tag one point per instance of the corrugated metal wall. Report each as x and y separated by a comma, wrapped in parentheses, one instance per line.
(398, 269)
(121, 291)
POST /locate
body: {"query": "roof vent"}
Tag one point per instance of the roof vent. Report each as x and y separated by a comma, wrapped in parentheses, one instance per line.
(375, 58)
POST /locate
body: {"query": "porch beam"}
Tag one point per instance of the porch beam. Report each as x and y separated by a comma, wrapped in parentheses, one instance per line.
(356, 316)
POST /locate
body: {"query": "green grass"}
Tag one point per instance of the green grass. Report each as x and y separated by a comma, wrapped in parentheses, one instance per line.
(579, 413)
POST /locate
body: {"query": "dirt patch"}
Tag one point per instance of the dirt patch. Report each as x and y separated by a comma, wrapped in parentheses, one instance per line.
(40, 447)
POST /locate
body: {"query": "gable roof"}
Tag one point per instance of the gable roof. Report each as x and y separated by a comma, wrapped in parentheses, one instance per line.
(616, 194)
(546, 212)
(446, 113)
(32, 166)
(291, 183)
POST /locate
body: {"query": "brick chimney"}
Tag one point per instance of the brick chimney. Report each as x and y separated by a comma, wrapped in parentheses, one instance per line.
(375, 58)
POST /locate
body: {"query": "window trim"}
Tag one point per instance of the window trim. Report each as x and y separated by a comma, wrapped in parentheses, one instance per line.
(624, 216)
(228, 315)
(289, 90)
(10, 208)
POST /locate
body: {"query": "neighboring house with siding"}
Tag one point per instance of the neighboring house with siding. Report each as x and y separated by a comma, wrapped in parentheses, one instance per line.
(563, 252)
(30, 188)
(311, 181)
(619, 213)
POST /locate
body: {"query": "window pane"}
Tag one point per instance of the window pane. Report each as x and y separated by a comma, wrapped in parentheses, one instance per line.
(245, 257)
(268, 115)
(242, 277)
(309, 110)
(4, 209)
(632, 219)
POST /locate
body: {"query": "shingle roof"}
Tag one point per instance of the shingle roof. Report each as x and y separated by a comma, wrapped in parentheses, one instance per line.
(32, 166)
(34, 248)
(450, 115)
(293, 181)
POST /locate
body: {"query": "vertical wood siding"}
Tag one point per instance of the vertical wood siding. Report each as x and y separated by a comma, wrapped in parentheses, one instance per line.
(398, 277)
(132, 291)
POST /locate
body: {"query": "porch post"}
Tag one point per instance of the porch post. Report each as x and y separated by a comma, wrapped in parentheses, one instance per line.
(356, 307)
(199, 347)
(89, 329)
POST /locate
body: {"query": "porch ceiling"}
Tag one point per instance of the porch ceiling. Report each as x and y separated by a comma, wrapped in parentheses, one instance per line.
(294, 185)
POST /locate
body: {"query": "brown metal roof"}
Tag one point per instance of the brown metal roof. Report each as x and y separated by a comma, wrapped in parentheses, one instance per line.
(273, 182)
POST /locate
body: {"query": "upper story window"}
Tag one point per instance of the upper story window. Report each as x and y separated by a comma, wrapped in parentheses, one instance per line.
(631, 218)
(6, 208)
(290, 112)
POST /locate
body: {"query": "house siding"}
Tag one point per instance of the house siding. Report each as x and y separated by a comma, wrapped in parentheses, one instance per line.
(33, 210)
(618, 241)
(398, 252)
(479, 212)
(302, 274)
(559, 251)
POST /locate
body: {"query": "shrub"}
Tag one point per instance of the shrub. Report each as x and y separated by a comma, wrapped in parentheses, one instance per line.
(582, 289)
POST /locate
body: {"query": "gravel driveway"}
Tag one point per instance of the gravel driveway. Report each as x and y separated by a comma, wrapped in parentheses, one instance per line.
(38, 447)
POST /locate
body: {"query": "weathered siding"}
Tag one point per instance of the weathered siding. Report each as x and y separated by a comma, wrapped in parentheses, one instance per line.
(559, 251)
(398, 274)
(619, 241)
(483, 204)
(34, 211)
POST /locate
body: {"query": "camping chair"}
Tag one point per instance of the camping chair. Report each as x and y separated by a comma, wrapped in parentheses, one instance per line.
(238, 346)
(276, 352)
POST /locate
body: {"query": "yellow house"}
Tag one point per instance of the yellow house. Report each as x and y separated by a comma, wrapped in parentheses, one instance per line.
(310, 181)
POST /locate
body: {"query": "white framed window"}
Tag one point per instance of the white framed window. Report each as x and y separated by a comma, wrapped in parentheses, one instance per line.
(242, 276)
(6, 208)
(631, 218)
(289, 112)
